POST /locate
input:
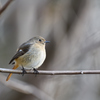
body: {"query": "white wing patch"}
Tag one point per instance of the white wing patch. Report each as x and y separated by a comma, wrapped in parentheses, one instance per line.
(20, 50)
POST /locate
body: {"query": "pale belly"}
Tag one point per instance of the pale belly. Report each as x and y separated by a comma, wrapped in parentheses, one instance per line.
(32, 60)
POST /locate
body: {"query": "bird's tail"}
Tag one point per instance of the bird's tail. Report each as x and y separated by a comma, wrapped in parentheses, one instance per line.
(16, 66)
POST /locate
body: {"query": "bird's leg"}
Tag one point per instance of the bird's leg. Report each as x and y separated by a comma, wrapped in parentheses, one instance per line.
(35, 71)
(23, 71)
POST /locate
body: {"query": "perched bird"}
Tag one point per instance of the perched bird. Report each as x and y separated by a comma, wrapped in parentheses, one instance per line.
(30, 54)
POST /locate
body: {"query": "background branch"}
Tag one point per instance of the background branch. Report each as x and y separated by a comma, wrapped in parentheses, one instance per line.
(42, 72)
(5, 6)
(25, 88)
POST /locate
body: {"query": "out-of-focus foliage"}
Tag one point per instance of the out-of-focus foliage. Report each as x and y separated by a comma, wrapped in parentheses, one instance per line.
(73, 27)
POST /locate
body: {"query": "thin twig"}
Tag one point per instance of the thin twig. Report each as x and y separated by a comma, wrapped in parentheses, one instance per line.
(42, 72)
(5, 6)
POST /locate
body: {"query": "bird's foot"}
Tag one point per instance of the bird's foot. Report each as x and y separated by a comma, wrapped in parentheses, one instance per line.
(35, 71)
(23, 71)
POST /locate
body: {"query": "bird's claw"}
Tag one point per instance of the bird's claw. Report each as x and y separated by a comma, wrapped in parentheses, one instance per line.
(35, 71)
(23, 71)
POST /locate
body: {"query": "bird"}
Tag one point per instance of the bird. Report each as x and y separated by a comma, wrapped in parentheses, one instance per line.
(30, 55)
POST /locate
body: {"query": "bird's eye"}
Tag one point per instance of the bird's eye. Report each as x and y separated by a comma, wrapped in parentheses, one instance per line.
(40, 40)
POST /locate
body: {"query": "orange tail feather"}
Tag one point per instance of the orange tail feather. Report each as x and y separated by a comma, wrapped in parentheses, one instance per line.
(16, 66)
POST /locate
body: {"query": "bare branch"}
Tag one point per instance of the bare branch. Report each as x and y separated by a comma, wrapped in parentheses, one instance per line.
(42, 72)
(5, 6)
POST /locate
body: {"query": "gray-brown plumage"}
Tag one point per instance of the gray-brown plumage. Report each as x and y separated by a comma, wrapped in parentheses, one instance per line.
(21, 51)
(30, 54)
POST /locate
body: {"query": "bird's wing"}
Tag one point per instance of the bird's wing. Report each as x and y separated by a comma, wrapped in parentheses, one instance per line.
(21, 51)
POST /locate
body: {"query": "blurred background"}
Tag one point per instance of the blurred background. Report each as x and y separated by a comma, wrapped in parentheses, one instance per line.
(73, 27)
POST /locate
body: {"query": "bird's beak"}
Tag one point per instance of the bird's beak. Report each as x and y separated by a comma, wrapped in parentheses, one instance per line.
(47, 41)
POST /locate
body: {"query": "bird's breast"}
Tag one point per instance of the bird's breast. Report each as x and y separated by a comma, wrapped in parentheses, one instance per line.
(34, 58)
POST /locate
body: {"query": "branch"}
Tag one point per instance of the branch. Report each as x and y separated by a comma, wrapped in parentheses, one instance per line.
(42, 72)
(5, 6)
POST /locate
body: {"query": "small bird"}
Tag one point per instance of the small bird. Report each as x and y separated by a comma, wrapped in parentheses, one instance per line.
(30, 55)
